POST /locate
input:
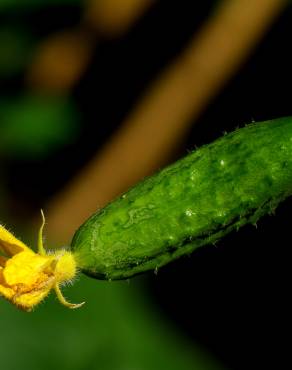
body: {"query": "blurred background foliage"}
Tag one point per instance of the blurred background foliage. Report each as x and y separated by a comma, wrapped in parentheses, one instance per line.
(35, 126)
(94, 96)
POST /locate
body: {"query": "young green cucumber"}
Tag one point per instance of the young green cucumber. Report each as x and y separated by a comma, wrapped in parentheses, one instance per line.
(197, 200)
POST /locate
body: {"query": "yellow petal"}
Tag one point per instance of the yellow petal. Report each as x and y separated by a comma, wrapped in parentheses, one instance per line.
(27, 301)
(27, 277)
(9, 244)
(26, 268)
(5, 290)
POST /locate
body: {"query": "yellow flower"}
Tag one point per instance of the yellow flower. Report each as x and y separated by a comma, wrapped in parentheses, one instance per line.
(27, 277)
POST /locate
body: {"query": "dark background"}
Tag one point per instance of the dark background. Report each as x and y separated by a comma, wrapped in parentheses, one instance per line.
(232, 298)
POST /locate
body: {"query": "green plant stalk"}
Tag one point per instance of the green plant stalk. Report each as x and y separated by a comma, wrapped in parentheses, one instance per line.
(196, 201)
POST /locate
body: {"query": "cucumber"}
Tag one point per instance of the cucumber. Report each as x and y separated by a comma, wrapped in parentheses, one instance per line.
(195, 201)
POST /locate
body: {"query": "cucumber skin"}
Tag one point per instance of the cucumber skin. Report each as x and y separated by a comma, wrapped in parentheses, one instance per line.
(197, 200)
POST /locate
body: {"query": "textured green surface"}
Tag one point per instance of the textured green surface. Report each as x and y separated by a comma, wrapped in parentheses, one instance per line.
(194, 202)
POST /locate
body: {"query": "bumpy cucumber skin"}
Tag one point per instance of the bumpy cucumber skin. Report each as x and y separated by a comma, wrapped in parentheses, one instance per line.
(197, 200)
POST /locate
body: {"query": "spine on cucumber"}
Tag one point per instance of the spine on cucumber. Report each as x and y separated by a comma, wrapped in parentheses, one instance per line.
(197, 200)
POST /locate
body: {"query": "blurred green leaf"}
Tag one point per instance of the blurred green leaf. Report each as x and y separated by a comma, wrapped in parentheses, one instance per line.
(35, 125)
(16, 46)
(116, 330)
